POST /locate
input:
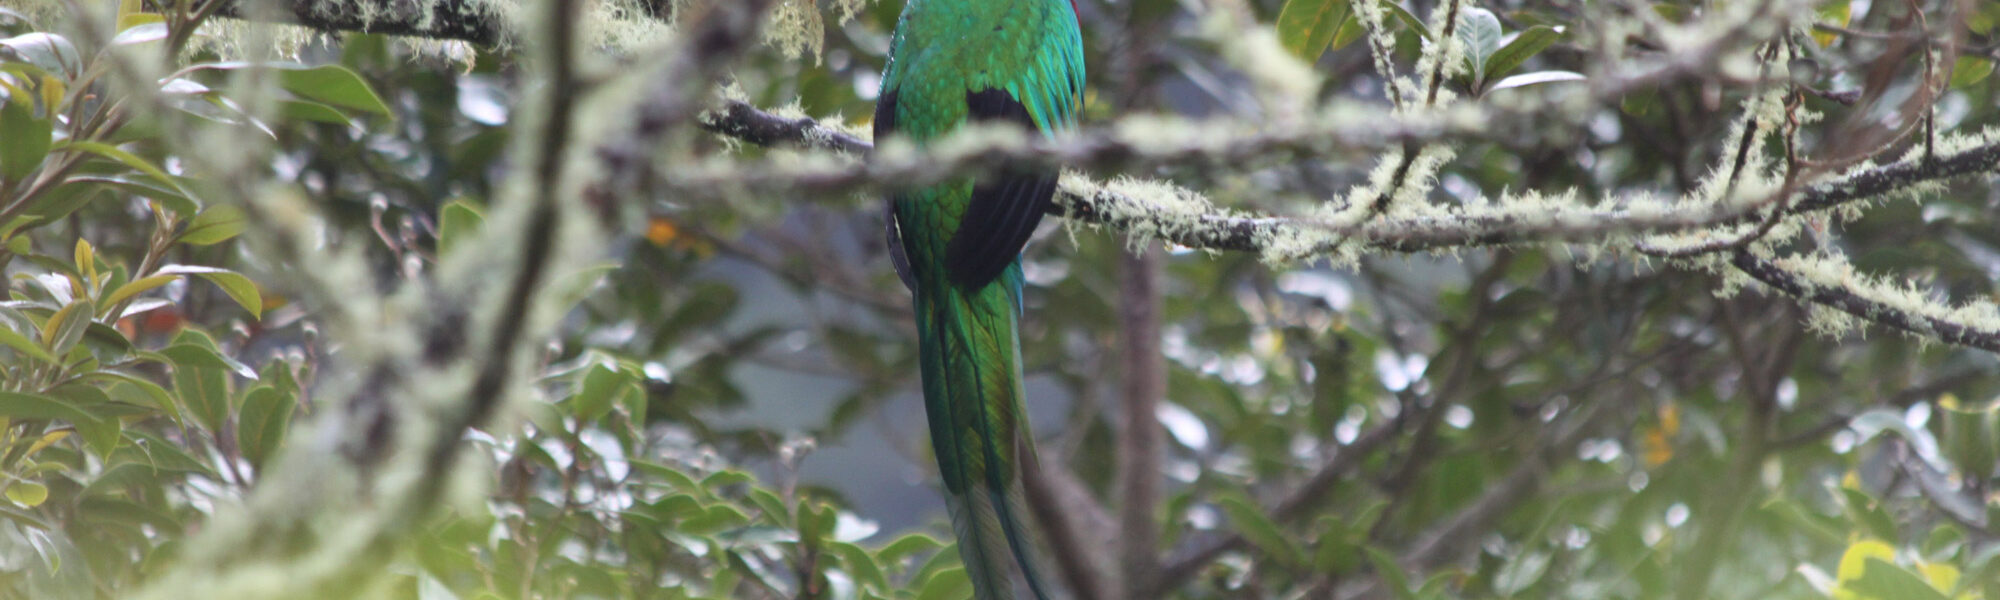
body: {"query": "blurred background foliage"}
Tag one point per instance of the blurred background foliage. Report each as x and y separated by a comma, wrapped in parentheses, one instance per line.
(732, 411)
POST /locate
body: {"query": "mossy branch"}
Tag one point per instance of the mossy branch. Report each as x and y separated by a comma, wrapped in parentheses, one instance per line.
(1221, 230)
(475, 21)
(1914, 319)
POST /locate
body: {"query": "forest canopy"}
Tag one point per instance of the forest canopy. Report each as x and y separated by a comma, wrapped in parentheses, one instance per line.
(1335, 299)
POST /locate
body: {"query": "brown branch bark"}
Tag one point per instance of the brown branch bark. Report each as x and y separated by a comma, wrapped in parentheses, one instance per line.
(1141, 440)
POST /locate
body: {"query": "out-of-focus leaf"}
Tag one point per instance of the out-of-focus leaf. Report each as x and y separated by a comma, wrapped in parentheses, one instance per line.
(214, 225)
(1390, 573)
(1526, 45)
(947, 584)
(21, 343)
(1865, 511)
(1882, 579)
(906, 546)
(457, 221)
(201, 378)
(1970, 70)
(1520, 571)
(1259, 529)
(860, 565)
(98, 433)
(1872, 423)
(306, 110)
(335, 85)
(136, 287)
(52, 53)
(599, 385)
(66, 327)
(141, 33)
(1409, 20)
(261, 425)
(1479, 30)
(1835, 13)
(172, 198)
(129, 159)
(238, 287)
(200, 355)
(28, 493)
(1307, 27)
(27, 137)
(1537, 77)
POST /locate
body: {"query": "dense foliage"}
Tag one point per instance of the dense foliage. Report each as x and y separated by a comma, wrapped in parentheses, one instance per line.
(230, 254)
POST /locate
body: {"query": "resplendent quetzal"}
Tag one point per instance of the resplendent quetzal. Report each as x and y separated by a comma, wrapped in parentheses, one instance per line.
(950, 62)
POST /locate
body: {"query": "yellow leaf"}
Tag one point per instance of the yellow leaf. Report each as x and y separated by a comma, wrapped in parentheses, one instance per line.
(1942, 576)
(28, 493)
(1833, 13)
(1854, 560)
(1653, 441)
(48, 439)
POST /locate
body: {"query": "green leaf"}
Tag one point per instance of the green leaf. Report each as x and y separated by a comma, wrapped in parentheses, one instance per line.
(1480, 31)
(66, 326)
(1260, 530)
(947, 584)
(50, 52)
(1525, 46)
(1307, 27)
(214, 225)
(128, 159)
(200, 378)
(1835, 13)
(137, 391)
(173, 199)
(1970, 70)
(600, 384)
(238, 287)
(28, 493)
(1390, 572)
(1864, 511)
(27, 138)
(306, 110)
(1881, 579)
(134, 288)
(98, 433)
(261, 426)
(905, 547)
(332, 84)
(21, 343)
(457, 221)
(1403, 14)
(860, 565)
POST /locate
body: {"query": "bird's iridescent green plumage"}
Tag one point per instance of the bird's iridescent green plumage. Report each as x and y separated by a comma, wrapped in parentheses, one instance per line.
(952, 61)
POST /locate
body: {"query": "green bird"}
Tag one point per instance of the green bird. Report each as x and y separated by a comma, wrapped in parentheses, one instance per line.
(958, 245)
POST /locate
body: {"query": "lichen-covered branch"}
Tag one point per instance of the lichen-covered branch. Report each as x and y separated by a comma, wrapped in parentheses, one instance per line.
(476, 21)
(1967, 326)
(1215, 229)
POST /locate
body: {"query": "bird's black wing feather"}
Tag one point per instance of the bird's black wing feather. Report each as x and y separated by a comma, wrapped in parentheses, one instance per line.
(1004, 209)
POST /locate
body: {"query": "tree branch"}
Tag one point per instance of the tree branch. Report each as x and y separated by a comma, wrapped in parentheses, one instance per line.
(1875, 310)
(464, 20)
(1140, 437)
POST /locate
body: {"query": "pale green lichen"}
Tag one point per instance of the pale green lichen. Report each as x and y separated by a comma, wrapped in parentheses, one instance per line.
(798, 27)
